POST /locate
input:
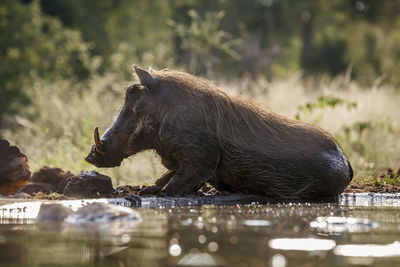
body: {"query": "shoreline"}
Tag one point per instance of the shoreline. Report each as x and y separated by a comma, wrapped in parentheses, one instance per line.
(377, 188)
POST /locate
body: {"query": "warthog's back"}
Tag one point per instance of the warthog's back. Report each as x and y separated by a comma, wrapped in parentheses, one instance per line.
(261, 152)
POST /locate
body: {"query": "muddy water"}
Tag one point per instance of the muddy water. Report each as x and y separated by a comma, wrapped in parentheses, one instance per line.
(359, 229)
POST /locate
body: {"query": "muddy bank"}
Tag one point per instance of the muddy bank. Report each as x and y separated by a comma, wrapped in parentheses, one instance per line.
(387, 181)
(57, 184)
(90, 184)
(373, 188)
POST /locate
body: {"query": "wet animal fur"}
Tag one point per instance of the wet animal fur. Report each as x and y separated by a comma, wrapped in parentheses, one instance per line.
(204, 135)
(237, 146)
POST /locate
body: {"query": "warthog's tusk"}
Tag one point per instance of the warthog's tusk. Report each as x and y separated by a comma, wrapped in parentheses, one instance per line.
(97, 141)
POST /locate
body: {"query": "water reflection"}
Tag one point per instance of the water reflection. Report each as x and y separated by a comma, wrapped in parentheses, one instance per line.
(175, 250)
(304, 244)
(201, 259)
(278, 260)
(312, 234)
(371, 199)
(257, 222)
(30, 210)
(334, 224)
(369, 250)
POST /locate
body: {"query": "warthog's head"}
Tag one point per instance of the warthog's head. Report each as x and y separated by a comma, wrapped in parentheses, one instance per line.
(131, 131)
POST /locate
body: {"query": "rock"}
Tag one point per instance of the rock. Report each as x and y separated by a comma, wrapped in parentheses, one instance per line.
(14, 168)
(53, 212)
(89, 184)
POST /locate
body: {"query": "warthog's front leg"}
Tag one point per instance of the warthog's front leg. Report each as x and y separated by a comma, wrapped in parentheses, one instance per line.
(197, 166)
(160, 183)
(163, 180)
(188, 180)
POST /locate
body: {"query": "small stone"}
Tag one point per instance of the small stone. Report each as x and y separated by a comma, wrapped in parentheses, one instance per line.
(89, 184)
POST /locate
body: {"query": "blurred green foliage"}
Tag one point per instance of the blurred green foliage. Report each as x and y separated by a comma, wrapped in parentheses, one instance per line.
(36, 45)
(60, 39)
(315, 110)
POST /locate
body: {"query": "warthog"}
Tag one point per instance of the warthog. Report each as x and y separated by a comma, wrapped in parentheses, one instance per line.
(203, 134)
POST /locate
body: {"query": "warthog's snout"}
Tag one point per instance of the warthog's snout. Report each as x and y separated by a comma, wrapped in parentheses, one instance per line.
(99, 157)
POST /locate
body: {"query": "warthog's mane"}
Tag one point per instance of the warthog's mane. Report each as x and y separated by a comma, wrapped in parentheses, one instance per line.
(222, 113)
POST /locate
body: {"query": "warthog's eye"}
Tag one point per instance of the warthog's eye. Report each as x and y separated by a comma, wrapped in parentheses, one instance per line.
(146, 88)
(131, 90)
(136, 88)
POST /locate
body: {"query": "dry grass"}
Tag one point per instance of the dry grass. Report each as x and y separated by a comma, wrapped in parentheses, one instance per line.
(64, 114)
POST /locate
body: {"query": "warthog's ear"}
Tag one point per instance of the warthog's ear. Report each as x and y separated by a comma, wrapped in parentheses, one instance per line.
(145, 78)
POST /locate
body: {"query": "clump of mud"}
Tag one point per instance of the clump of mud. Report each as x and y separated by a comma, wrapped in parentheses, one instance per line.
(127, 190)
(153, 190)
(14, 168)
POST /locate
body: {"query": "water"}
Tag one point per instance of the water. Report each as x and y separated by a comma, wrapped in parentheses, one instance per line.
(360, 229)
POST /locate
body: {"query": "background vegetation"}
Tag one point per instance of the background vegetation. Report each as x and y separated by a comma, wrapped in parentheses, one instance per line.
(64, 66)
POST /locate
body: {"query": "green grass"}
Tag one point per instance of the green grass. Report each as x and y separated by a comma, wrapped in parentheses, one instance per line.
(57, 129)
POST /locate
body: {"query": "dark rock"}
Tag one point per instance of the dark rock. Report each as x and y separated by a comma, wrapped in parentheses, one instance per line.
(55, 177)
(32, 188)
(89, 184)
(14, 168)
(53, 212)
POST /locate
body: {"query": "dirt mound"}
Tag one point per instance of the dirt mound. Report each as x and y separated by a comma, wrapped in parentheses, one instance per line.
(14, 168)
(48, 180)
(55, 177)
